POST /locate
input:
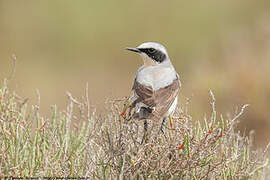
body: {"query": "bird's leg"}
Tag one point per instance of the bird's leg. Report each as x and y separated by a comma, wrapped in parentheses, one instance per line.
(162, 127)
(144, 138)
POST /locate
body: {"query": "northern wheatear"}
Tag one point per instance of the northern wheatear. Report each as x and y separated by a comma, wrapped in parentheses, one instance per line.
(156, 86)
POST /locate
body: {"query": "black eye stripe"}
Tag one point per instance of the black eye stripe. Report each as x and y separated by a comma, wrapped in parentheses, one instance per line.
(154, 54)
(151, 50)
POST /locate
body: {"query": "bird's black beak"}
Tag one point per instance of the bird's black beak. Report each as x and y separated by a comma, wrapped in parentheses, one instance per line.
(134, 50)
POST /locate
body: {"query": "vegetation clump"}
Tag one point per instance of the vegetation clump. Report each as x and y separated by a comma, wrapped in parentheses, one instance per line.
(108, 146)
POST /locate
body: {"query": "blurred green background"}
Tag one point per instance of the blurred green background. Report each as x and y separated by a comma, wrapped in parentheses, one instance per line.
(220, 45)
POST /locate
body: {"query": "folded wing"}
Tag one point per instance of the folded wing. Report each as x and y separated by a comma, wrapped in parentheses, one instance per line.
(158, 101)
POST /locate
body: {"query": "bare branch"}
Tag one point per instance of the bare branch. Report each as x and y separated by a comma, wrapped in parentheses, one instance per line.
(213, 100)
(241, 112)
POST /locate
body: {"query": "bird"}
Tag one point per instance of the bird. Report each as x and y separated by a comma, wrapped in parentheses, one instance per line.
(155, 90)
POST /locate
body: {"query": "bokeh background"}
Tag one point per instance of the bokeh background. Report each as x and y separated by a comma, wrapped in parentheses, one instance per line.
(220, 45)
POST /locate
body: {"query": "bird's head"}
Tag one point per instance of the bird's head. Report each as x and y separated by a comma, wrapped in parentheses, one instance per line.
(152, 53)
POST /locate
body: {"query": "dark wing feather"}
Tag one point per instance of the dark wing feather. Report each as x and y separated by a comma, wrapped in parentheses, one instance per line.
(145, 94)
(164, 98)
(161, 99)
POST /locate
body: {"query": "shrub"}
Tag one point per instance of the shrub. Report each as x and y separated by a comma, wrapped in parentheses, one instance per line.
(108, 146)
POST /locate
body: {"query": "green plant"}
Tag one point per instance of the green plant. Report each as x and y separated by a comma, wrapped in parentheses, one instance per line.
(108, 146)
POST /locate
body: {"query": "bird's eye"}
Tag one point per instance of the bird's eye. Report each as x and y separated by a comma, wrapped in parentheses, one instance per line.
(151, 50)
